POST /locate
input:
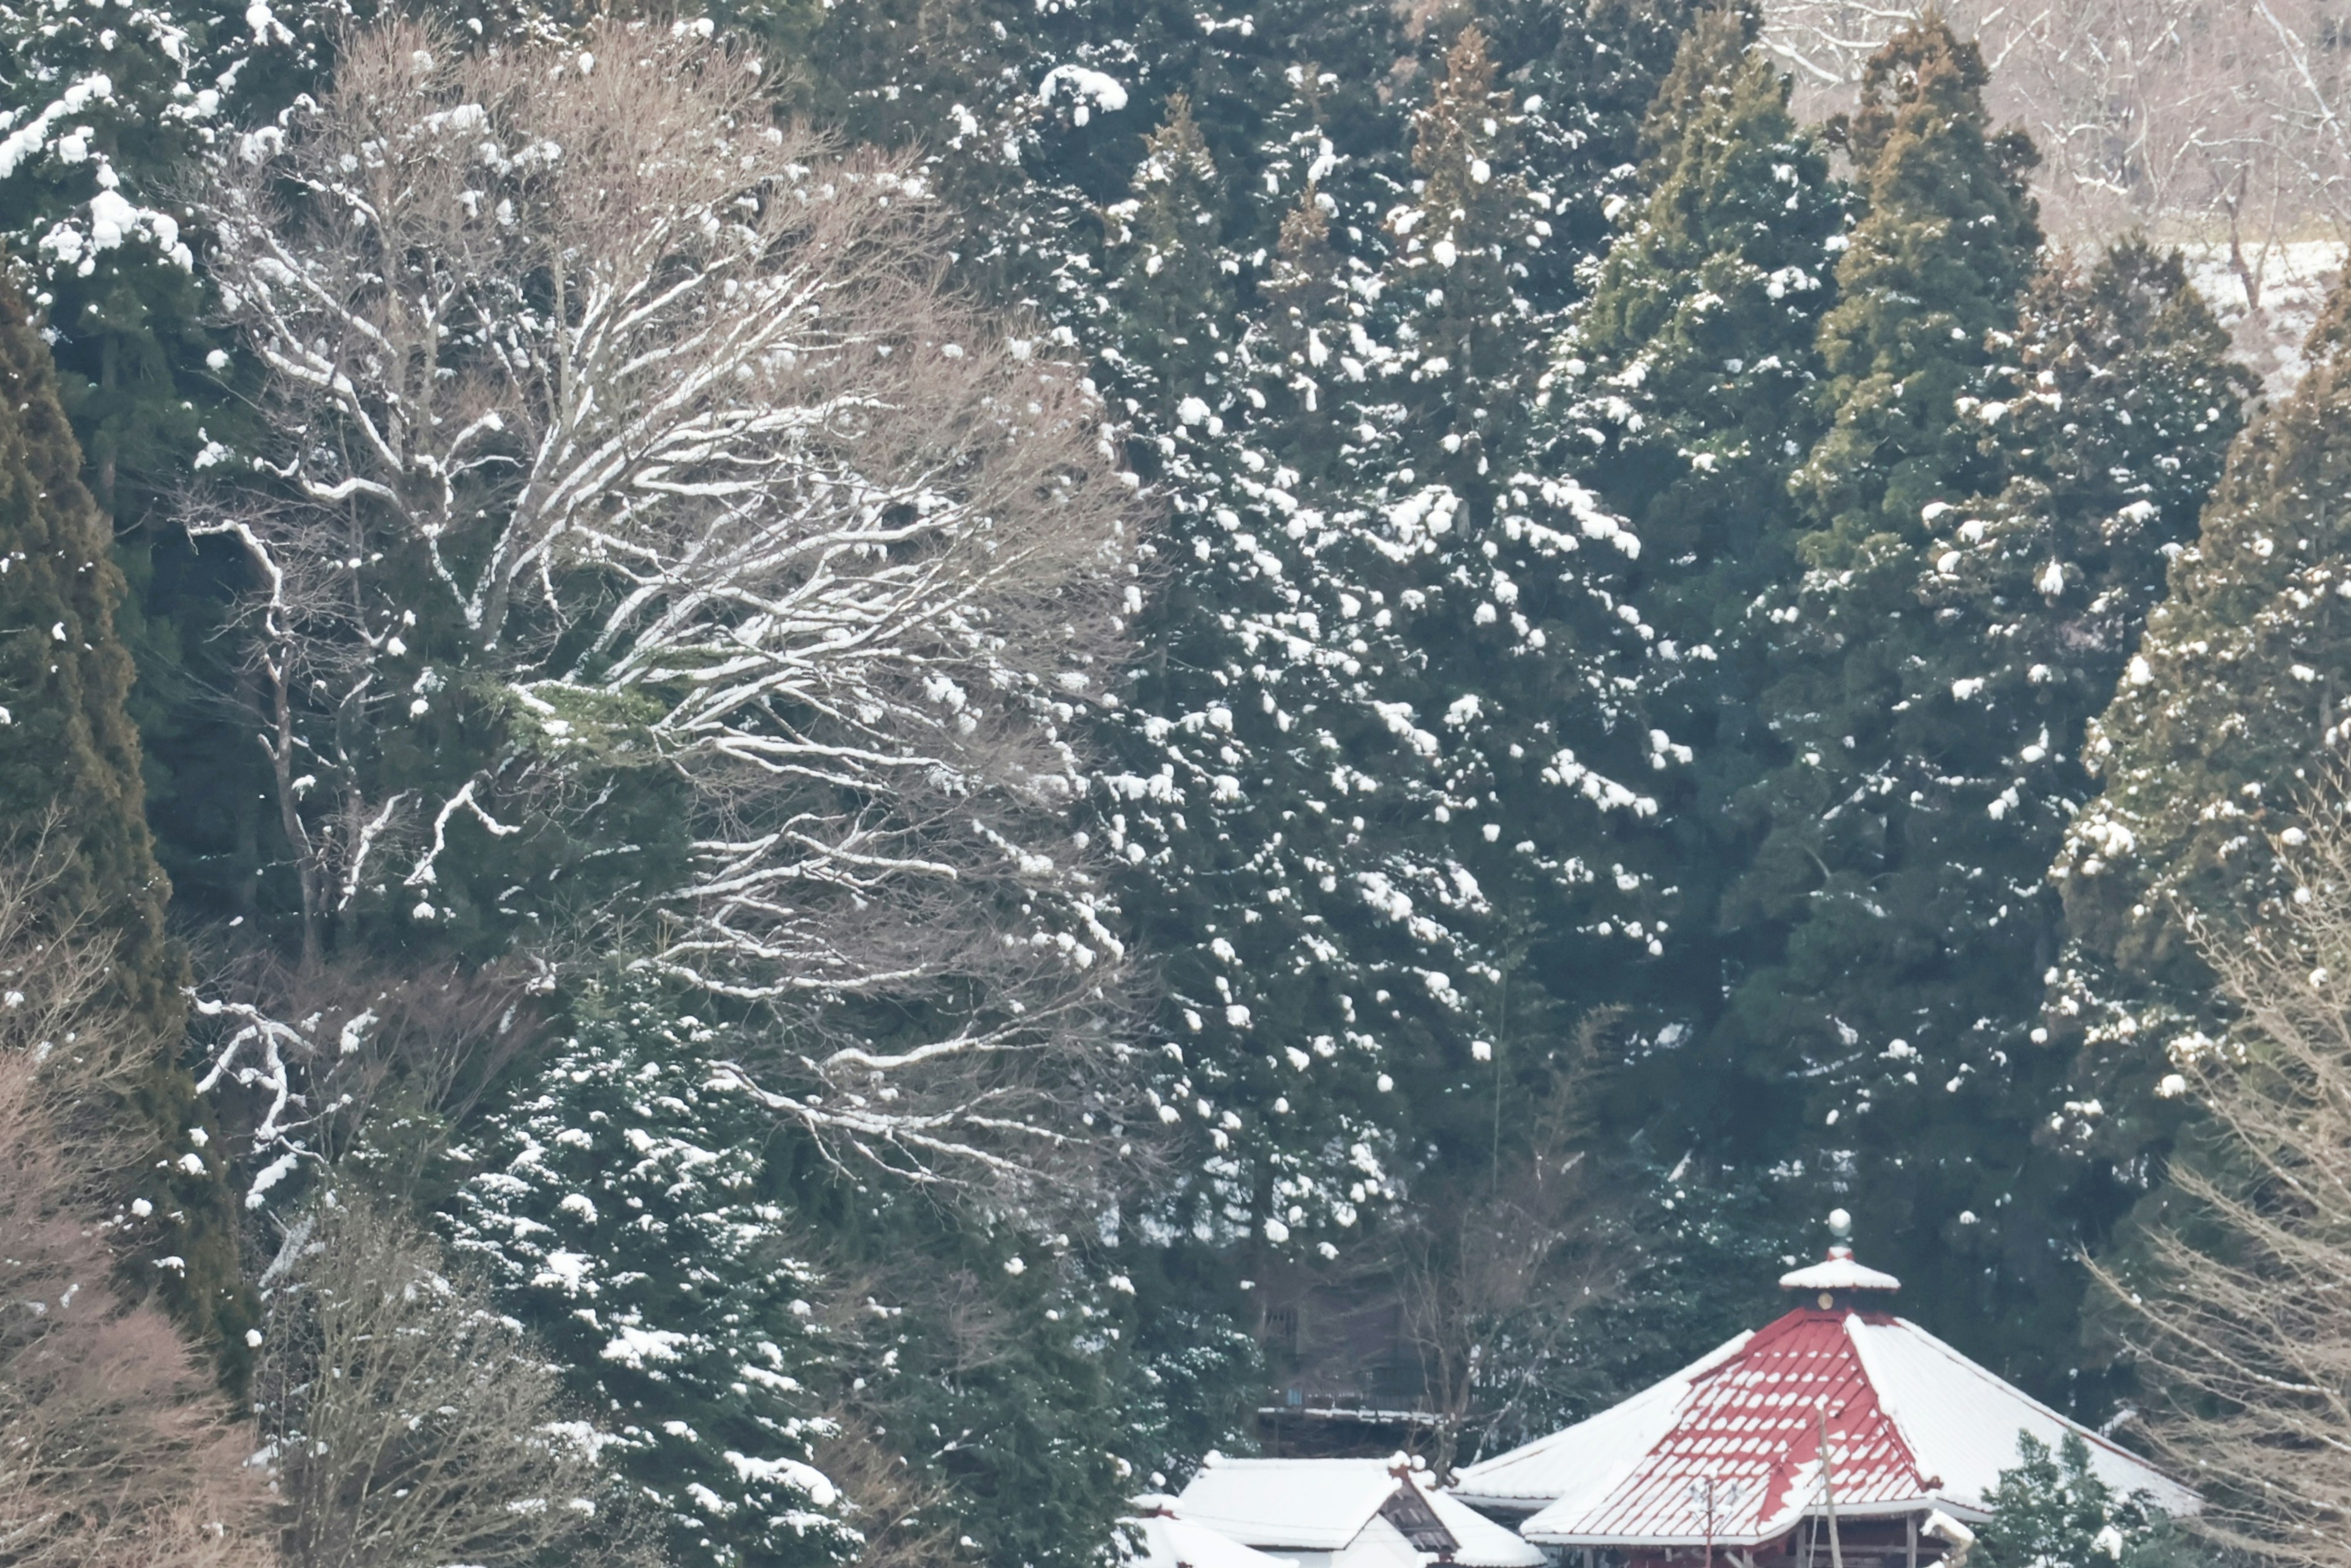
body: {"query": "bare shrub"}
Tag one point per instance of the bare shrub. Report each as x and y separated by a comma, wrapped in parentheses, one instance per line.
(116, 1448)
(1493, 1268)
(904, 1513)
(407, 1421)
(2236, 1301)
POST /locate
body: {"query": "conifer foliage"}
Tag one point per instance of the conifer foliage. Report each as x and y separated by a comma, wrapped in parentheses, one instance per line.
(2051, 1510)
(1683, 399)
(1106, 657)
(625, 1209)
(2002, 462)
(2220, 723)
(70, 792)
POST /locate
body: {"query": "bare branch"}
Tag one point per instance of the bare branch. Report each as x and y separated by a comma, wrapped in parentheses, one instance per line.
(630, 435)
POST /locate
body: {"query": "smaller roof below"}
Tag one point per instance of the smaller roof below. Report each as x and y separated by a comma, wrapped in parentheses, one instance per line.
(1483, 1543)
(1166, 1542)
(1306, 1505)
(1838, 1271)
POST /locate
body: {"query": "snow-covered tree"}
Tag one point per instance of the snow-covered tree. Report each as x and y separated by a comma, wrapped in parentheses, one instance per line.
(1175, 299)
(1682, 396)
(2051, 1510)
(626, 1207)
(1244, 738)
(1873, 914)
(2222, 717)
(1970, 568)
(646, 526)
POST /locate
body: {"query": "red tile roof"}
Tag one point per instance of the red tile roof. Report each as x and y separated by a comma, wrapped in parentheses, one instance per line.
(1752, 1431)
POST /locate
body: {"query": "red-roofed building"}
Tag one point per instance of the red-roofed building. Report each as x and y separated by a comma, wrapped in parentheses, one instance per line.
(1839, 1436)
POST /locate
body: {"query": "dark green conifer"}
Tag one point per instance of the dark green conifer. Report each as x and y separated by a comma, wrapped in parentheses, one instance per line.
(1683, 399)
(1866, 919)
(70, 789)
(1583, 79)
(1893, 918)
(626, 1206)
(2224, 718)
(1465, 338)
(1174, 294)
(2051, 1510)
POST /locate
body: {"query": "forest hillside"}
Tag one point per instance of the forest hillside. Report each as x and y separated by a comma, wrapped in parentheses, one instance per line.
(808, 782)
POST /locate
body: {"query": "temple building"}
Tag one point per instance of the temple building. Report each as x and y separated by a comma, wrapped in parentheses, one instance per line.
(1336, 1513)
(1839, 1436)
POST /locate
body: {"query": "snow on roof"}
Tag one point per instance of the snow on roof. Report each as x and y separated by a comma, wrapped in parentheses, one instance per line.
(1838, 1271)
(1590, 1454)
(1483, 1543)
(1740, 1463)
(1964, 1421)
(1164, 1542)
(1912, 1424)
(1307, 1505)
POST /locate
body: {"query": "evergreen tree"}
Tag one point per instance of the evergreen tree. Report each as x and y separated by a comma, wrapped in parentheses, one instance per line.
(1925, 690)
(1005, 1361)
(1684, 395)
(2224, 713)
(1516, 635)
(1583, 78)
(1873, 922)
(70, 787)
(1462, 361)
(1176, 305)
(728, 1304)
(1684, 398)
(2052, 1510)
(1248, 758)
(626, 1209)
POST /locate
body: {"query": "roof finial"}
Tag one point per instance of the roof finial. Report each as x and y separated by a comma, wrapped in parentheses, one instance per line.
(1837, 1273)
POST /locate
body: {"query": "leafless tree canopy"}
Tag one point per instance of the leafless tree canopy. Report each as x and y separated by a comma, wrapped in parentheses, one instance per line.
(2239, 1315)
(2220, 120)
(612, 406)
(116, 1450)
(1493, 1269)
(346, 1065)
(407, 1421)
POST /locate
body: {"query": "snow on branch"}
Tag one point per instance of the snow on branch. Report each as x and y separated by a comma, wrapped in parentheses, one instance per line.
(632, 445)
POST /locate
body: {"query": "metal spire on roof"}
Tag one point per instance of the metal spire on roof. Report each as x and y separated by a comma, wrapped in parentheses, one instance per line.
(1838, 1273)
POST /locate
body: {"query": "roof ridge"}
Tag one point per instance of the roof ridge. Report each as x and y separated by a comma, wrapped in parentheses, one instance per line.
(1759, 1423)
(1889, 1409)
(1687, 1376)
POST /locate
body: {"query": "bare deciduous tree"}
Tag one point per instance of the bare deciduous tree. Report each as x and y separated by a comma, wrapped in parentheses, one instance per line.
(2236, 1312)
(313, 1066)
(1492, 1267)
(407, 1421)
(116, 1448)
(639, 432)
(904, 1513)
(2221, 120)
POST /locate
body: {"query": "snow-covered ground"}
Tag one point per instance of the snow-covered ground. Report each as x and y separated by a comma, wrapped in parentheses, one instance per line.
(2290, 280)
